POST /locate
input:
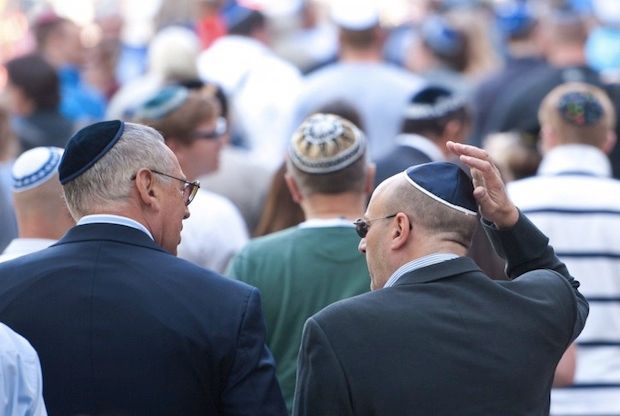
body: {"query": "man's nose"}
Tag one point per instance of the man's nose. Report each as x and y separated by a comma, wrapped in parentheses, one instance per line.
(361, 247)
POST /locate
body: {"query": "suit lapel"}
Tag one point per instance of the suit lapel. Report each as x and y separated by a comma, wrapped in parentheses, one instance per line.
(439, 271)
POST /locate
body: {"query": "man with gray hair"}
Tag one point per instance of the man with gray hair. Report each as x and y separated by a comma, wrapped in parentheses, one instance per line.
(121, 325)
(436, 336)
(304, 268)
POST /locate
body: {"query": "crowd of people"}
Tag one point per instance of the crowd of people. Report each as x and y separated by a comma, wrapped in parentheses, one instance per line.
(315, 215)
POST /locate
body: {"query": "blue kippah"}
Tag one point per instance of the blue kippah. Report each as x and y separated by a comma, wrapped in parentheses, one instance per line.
(164, 102)
(441, 37)
(514, 18)
(433, 102)
(446, 183)
(87, 146)
(580, 108)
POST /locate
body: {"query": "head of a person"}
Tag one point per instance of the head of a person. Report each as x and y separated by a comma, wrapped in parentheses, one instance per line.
(445, 42)
(33, 85)
(192, 125)
(37, 194)
(358, 25)
(577, 113)
(59, 40)
(515, 20)
(427, 209)
(328, 155)
(436, 113)
(126, 169)
(172, 54)
(246, 21)
(563, 28)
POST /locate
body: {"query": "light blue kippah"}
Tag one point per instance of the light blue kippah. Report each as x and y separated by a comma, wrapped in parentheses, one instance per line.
(164, 102)
(34, 167)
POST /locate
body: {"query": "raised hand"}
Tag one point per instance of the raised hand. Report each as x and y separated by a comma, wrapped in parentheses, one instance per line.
(489, 190)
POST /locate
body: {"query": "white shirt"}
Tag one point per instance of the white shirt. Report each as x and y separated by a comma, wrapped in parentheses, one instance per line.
(213, 233)
(576, 203)
(21, 246)
(21, 382)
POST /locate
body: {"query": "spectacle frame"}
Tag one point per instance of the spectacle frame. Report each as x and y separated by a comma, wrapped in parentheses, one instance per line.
(221, 127)
(362, 226)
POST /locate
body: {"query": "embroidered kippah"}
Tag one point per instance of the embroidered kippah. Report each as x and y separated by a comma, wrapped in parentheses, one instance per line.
(326, 143)
(446, 183)
(87, 146)
(35, 167)
(164, 102)
(432, 102)
(580, 108)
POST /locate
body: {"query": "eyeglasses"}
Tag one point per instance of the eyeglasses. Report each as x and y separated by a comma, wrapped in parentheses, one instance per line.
(221, 126)
(189, 189)
(362, 226)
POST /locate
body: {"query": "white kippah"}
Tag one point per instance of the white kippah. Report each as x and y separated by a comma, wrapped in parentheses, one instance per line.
(35, 166)
(326, 143)
(355, 14)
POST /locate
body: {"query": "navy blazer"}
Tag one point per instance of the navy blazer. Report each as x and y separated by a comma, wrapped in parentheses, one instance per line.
(446, 339)
(122, 327)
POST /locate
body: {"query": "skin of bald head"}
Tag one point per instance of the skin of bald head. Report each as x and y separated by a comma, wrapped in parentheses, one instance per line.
(41, 212)
(422, 226)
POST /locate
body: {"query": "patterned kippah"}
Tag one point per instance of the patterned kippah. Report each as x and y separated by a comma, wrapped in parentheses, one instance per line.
(164, 102)
(432, 102)
(35, 167)
(580, 108)
(326, 143)
(446, 183)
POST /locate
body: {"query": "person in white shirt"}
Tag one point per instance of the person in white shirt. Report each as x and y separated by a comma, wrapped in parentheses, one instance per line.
(576, 203)
(42, 216)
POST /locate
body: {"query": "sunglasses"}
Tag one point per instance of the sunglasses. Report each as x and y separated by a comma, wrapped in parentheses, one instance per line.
(221, 127)
(362, 226)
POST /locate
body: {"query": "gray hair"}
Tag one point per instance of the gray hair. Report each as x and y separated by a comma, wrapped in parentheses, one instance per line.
(108, 182)
(439, 219)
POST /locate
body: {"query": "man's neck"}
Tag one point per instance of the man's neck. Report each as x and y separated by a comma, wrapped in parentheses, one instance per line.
(323, 206)
(349, 55)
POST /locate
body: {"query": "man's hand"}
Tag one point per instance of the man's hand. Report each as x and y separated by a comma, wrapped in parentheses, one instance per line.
(489, 189)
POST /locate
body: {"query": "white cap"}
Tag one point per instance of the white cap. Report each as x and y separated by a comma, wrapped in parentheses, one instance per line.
(35, 167)
(355, 14)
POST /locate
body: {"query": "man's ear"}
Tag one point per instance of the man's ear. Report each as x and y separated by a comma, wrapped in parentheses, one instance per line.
(401, 229)
(371, 170)
(610, 142)
(293, 188)
(146, 187)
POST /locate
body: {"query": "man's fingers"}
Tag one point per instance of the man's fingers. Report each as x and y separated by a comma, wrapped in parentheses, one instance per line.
(467, 150)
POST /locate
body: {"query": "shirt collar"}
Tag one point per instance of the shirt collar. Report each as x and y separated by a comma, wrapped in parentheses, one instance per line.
(418, 264)
(326, 222)
(575, 158)
(114, 219)
(422, 144)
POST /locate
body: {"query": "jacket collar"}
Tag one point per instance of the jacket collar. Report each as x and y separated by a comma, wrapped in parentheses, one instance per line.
(108, 232)
(439, 271)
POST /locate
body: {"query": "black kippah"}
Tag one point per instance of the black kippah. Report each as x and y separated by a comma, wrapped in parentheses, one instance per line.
(87, 146)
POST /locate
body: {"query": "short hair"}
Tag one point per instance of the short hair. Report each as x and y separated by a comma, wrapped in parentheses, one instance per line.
(593, 133)
(359, 39)
(37, 79)
(199, 107)
(435, 217)
(46, 26)
(108, 182)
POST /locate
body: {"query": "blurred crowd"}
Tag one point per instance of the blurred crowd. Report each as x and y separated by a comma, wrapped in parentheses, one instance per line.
(227, 83)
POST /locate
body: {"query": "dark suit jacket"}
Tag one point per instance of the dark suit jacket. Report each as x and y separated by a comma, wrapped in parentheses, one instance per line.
(446, 339)
(396, 161)
(124, 328)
